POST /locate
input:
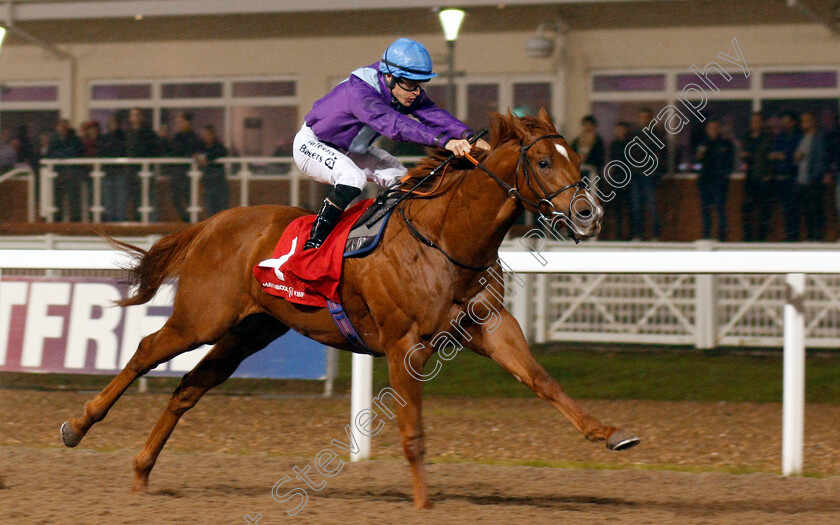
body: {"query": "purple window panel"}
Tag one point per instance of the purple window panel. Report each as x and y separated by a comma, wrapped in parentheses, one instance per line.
(122, 92)
(737, 81)
(602, 83)
(799, 79)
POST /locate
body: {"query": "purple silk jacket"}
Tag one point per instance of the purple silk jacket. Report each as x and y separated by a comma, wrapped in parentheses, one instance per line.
(360, 109)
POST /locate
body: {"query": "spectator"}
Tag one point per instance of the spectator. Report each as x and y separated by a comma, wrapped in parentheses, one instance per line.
(620, 207)
(216, 191)
(8, 153)
(590, 146)
(642, 186)
(141, 142)
(812, 172)
(185, 143)
(91, 133)
(832, 144)
(716, 155)
(26, 151)
(116, 182)
(758, 185)
(284, 149)
(164, 141)
(65, 144)
(27, 154)
(784, 170)
(44, 144)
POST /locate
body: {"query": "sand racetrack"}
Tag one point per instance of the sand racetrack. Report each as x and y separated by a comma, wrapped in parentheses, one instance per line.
(226, 455)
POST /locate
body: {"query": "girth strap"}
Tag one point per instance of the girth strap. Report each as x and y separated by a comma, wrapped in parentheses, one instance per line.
(346, 328)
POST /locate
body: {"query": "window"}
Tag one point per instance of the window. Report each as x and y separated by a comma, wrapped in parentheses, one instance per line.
(122, 92)
(530, 97)
(618, 83)
(192, 90)
(264, 131)
(613, 95)
(799, 79)
(735, 81)
(253, 116)
(33, 105)
(285, 88)
(482, 99)
(29, 93)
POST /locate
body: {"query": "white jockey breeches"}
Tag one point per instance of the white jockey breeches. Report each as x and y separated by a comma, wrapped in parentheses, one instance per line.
(329, 165)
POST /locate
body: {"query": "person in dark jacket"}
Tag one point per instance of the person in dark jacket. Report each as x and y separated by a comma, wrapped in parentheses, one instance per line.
(812, 174)
(115, 185)
(185, 143)
(620, 207)
(590, 146)
(141, 142)
(643, 186)
(65, 144)
(216, 190)
(758, 185)
(784, 171)
(28, 154)
(716, 155)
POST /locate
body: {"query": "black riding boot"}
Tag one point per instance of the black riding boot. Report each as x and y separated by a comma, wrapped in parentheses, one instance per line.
(330, 213)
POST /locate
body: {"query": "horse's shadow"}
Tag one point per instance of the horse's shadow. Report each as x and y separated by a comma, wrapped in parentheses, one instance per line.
(559, 501)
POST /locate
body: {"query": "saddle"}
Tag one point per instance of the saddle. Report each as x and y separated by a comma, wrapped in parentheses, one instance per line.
(368, 229)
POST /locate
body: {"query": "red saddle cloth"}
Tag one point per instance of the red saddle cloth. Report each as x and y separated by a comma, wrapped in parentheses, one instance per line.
(308, 277)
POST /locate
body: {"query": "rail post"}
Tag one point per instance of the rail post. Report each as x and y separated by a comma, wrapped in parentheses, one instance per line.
(145, 189)
(360, 399)
(96, 206)
(195, 208)
(793, 398)
(48, 207)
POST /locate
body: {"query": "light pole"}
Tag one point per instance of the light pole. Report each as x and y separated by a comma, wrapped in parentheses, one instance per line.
(451, 20)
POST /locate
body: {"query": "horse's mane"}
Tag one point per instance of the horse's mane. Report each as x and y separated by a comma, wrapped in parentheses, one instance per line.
(442, 181)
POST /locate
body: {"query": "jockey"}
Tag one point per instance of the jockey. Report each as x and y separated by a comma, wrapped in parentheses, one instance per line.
(334, 144)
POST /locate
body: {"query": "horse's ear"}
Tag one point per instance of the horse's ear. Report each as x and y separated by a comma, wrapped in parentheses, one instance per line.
(545, 117)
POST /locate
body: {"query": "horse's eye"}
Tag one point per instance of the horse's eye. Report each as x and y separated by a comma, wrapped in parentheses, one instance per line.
(544, 164)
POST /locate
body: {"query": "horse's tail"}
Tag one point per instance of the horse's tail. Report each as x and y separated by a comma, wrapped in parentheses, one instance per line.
(149, 269)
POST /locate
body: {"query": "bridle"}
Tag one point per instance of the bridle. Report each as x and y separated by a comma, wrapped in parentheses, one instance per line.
(523, 165)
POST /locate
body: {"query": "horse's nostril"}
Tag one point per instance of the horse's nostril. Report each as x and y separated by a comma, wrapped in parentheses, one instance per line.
(585, 213)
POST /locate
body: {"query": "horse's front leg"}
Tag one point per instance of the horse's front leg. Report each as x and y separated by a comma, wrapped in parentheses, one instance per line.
(408, 410)
(504, 342)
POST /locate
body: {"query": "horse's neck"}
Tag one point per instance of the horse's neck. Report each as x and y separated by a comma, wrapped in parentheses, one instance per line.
(470, 220)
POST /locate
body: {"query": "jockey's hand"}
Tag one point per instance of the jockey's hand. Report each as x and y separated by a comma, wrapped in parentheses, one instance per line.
(459, 147)
(482, 144)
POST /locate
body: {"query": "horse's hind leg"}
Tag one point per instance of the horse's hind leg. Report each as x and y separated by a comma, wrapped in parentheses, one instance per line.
(154, 349)
(250, 336)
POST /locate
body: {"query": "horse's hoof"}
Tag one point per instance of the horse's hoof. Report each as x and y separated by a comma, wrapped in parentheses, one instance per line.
(621, 440)
(68, 436)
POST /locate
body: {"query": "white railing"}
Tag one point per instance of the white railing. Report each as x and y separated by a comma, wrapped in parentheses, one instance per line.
(705, 310)
(24, 172)
(240, 170)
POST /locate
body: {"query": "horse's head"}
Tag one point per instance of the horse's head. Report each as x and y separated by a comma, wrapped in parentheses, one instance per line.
(545, 172)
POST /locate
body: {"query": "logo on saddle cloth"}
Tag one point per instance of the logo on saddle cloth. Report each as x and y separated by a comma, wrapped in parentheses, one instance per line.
(280, 261)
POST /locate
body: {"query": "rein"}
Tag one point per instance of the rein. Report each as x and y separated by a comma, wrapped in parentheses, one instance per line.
(527, 169)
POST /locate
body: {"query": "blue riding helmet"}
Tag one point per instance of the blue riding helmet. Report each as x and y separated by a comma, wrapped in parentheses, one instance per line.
(406, 58)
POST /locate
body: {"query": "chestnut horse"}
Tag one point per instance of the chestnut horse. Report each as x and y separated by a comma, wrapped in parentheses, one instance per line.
(400, 295)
